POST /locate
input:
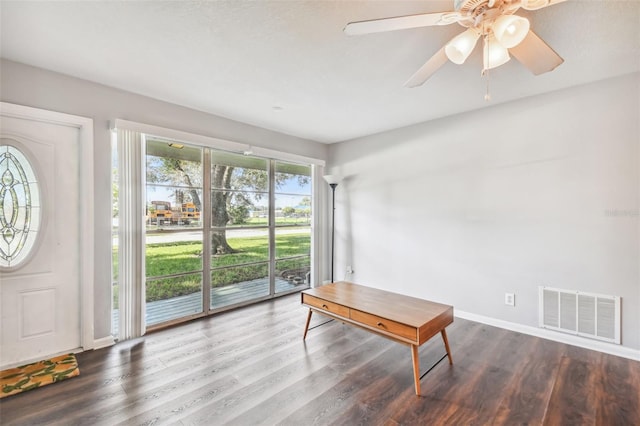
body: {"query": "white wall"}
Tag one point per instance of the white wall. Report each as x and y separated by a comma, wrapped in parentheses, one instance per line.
(24, 85)
(541, 191)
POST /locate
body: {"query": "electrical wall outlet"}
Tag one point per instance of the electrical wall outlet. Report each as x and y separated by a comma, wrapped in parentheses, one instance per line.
(349, 270)
(510, 299)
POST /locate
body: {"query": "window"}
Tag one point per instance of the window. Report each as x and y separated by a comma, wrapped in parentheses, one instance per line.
(19, 207)
(173, 244)
(221, 229)
(292, 224)
(240, 236)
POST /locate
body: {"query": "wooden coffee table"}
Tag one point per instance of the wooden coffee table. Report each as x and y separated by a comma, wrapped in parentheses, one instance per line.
(404, 319)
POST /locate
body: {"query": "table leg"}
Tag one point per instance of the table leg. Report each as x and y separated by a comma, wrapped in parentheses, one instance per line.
(416, 368)
(306, 327)
(446, 345)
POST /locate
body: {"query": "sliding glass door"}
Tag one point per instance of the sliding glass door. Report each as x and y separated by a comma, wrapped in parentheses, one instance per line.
(292, 226)
(221, 230)
(260, 228)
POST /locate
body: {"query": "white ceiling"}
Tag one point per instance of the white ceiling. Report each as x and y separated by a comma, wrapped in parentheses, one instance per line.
(287, 65)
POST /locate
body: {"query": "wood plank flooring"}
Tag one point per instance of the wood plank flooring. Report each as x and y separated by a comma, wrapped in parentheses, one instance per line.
(250, 366)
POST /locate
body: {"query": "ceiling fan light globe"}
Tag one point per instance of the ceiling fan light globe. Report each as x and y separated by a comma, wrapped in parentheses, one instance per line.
(510, 30)
(461, 46)
(494, 54)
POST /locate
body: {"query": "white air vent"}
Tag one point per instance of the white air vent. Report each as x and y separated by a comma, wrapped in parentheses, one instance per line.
(585, 314)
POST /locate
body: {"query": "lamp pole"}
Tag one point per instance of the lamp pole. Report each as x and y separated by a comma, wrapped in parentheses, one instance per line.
(333, 224)
(333, 181)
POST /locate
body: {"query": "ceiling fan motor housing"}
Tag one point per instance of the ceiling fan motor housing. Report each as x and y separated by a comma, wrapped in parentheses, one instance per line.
(481, 13)
(475, 7)
(468, 6)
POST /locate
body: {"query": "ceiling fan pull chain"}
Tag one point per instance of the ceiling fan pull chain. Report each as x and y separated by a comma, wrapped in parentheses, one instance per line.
(487, 95)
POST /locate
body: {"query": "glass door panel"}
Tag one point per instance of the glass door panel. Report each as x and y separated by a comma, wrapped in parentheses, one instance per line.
(173, 247)
(239, 229)
(292, 227)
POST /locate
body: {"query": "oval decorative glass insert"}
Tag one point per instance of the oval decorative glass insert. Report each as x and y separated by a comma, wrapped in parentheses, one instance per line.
(19, 207)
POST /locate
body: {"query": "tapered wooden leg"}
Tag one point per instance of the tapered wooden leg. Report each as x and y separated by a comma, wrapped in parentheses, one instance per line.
(416, 368)
(306, 327)
(446, 345)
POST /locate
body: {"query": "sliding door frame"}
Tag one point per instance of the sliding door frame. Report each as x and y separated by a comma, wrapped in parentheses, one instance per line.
(272, 156)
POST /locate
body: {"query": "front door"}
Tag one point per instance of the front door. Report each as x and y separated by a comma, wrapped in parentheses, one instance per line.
(42, 292)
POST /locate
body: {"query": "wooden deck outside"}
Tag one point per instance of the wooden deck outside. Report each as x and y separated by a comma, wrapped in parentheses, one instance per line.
(166, 310)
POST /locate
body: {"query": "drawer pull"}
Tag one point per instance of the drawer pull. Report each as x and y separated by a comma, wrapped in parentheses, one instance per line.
(380, 324)
(325, 306)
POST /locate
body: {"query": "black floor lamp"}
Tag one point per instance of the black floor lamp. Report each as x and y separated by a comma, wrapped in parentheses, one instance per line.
(333, 181)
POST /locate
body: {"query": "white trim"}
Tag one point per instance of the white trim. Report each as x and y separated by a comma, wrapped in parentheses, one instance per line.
(569, 339)
(212, 142)
(317, 219)
(87, 224)
(87, 220)
(103, 342)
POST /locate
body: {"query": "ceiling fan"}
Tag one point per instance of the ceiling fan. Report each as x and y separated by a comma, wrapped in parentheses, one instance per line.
(502, 32)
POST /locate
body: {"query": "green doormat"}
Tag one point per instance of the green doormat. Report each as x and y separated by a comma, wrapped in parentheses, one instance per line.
(37, 374)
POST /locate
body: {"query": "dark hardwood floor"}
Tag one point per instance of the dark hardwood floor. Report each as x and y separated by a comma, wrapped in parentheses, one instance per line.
(251, 366)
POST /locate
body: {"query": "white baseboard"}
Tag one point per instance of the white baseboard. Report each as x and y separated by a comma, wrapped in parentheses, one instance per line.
(103, 342)
(569, 339)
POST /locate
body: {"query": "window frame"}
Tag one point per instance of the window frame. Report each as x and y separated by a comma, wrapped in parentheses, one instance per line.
(272, 157)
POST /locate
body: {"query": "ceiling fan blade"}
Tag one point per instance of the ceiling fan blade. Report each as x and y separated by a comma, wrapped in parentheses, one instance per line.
(428, 69)
(401, 23)
(536, 55)
(538, 4)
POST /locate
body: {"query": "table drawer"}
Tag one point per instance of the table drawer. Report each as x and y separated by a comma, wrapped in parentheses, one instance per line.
(325, 305)
(386, 325)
